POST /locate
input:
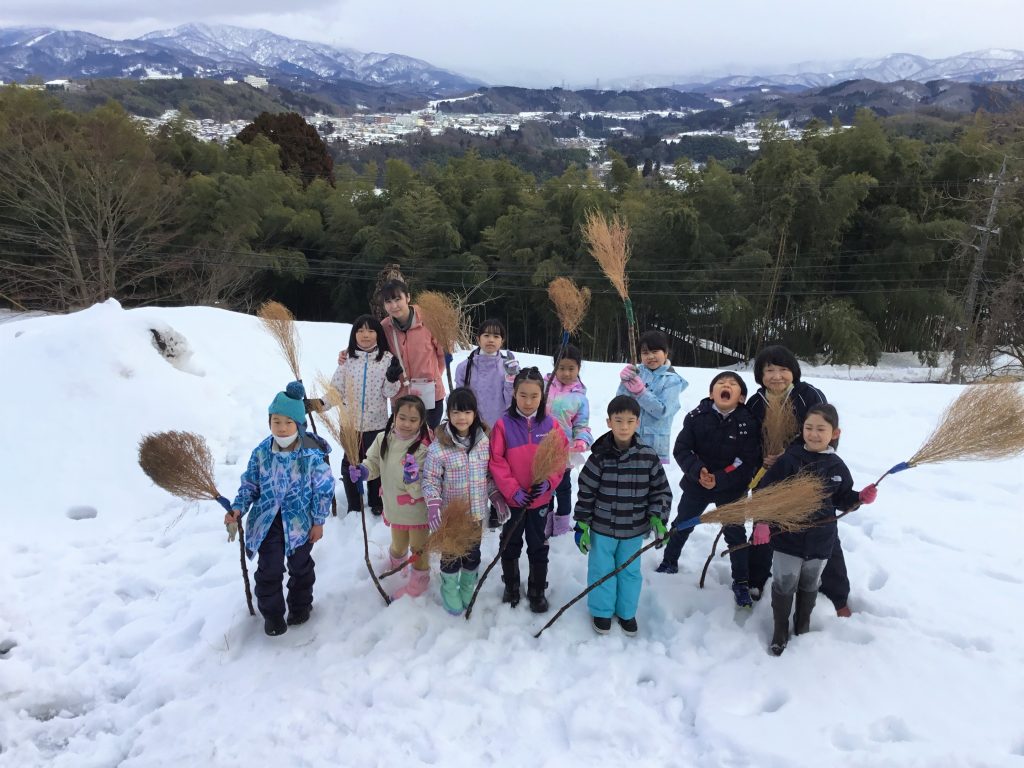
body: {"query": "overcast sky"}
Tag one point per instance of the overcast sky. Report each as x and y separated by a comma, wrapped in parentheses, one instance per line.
(543, 42)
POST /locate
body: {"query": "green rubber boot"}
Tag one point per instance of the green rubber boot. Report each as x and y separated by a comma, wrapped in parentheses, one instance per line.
(451, 595)
(467, 583)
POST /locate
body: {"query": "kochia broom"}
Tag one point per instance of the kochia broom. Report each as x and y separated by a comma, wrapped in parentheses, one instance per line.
(181, 464)
(279, 322)
(787, 504)
(456, 535)
(571, 304)
(609, 245)
(986, 422)
(552, 454)
(443, 316)
(343, 425)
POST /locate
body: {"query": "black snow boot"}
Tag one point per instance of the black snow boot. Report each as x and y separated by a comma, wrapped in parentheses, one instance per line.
(782, 605)
(510, 575)
(535, 586)
(274, 625)
(802, 616)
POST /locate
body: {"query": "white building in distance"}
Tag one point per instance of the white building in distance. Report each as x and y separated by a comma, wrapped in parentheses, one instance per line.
(257, 82)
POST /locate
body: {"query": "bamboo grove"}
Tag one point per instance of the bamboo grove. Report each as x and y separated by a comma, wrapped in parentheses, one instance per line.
(844, 243)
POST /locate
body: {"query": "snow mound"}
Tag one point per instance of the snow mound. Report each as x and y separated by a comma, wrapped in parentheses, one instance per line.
(125, 640)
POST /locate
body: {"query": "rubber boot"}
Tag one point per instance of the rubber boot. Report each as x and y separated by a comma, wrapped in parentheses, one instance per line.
(802, 616)
(510, 575)
(535, 586)
(397, 561)
(451, 596)
(782, 605)
(416, 586)
(467, 585)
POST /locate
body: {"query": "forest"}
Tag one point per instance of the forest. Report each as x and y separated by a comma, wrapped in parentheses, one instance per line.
(846, 243)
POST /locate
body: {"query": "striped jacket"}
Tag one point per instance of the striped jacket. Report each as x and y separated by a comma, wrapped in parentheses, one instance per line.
(451, 472)
(297, 484)
(620, 490)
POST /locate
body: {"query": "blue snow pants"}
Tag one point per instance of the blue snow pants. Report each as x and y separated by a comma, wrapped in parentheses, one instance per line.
(619, 595)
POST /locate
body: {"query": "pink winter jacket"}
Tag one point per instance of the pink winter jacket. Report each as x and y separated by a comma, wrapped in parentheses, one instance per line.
(514, 441)
(361, 383)
(419, 353)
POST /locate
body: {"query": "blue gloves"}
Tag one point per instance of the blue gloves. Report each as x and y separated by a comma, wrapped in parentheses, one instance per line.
(583, 537)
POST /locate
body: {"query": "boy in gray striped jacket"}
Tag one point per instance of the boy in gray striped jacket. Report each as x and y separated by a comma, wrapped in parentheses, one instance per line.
(623, 494)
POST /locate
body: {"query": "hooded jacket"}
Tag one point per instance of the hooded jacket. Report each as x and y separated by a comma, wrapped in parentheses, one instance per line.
(801, 396)
(659, 404)
(404, 505)
(361, 382)
(451, 471)
(487, 378)
(728, 445)
(514, 442)
(569, 406)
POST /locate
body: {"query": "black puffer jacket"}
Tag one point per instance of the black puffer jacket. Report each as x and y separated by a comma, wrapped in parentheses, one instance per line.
(817, 542)
(729, 445)
(801, 397)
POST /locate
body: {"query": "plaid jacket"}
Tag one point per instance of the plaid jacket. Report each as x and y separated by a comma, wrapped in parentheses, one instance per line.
(620, 490)
(451, 472)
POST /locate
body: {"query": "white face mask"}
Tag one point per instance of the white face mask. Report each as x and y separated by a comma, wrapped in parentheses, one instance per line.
(284, 442)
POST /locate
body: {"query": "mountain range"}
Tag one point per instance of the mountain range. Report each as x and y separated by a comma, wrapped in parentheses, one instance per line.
(216, 51)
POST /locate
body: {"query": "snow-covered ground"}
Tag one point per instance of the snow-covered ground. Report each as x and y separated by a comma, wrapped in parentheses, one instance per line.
(124, 638)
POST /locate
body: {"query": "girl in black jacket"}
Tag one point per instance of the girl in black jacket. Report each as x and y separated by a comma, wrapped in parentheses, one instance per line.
(799, 557)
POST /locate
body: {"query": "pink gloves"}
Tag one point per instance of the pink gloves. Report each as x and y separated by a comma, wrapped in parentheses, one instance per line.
(357, 473)
(500, 506)
(868, 494)
(633, 383)
(580, 446)
(410, 469)
(761, 534)
(433, 515)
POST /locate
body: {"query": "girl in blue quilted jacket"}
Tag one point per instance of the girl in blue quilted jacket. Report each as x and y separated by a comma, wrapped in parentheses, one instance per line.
(656, 387)
(286, 489)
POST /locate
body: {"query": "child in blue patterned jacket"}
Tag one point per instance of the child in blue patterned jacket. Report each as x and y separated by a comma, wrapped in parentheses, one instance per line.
(568, 405)
(286, 489)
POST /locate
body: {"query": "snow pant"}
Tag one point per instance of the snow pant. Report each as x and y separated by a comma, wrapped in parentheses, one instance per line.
(791, 574)
(355, 501)
(691, 506)
(513, 532)
(619, 595)
(469, 561)
(835, 584)
(563, 494)
(270, 570)
(404, 539)
(434, 414)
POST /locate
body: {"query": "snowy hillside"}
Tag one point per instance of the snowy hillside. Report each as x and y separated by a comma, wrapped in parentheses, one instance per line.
(124, 638)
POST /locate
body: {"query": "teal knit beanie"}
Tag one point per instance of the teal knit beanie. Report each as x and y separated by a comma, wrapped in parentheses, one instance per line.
(289, 403)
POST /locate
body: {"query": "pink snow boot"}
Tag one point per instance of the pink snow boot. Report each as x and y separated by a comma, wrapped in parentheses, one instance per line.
(416, 586)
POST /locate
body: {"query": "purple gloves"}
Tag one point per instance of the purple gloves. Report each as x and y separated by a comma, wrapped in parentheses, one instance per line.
(357, 473)
(868, 494)
(433, 514)
(500, 506)
(410, 469)
(561, 524)
(633, 383)
(761, 534)
(520, 498)
(541, 489)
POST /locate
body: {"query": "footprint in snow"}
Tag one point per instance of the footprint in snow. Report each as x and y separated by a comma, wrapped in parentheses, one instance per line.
(890, 729)
(6, 646)
(878, 579)
(81, 513)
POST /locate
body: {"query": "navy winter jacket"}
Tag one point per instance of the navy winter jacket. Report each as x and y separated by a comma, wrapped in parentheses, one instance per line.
(729, 445)
(801, 397)
(817, 542)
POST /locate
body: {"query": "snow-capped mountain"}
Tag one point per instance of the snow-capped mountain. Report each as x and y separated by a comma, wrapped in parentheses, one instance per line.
(212, 50)
(986, 66)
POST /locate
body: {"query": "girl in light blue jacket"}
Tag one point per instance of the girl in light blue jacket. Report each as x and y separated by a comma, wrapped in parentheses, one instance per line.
(656, 387)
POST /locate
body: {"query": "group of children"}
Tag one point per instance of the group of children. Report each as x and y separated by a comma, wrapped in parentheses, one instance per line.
(483, 454)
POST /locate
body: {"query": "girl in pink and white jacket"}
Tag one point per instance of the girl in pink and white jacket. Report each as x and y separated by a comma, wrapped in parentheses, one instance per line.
(367, 379)
(456, 470)
(568, 405)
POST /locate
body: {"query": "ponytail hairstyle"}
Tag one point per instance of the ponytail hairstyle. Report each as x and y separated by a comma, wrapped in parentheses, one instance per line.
(463, 399)
(421, 438)
(829, 413)
(571, 352)
(368, 321)
(529, 374)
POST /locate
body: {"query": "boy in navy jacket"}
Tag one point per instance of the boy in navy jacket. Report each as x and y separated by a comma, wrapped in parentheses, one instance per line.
(719, 450)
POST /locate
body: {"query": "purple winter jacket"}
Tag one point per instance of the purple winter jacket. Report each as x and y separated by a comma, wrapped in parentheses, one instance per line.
(489, 382)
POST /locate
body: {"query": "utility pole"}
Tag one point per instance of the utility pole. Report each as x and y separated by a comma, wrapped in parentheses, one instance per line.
(971, 297)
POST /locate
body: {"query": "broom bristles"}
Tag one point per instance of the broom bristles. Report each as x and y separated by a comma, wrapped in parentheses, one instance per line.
(458, 533)
(609, 245)
(779, 427)
(180, 463)
(280, 323)
(342, 421)
(443, 317)
(552, 455)
(787, 504)
(571, 302)
(985, 422)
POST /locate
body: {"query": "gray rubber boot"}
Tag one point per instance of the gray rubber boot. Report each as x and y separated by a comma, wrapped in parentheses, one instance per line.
(802, 616)
(782, 606)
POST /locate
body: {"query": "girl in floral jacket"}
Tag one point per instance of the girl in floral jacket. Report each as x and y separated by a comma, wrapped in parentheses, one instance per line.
(456, 469)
